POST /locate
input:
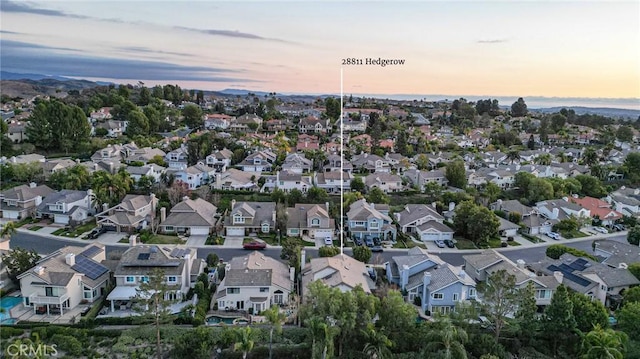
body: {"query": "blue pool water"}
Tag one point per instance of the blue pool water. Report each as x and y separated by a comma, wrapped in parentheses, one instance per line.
(7, 303)
(215, 320)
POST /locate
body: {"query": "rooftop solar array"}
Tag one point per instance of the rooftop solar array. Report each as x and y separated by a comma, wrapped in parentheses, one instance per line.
(89, 267)
(568, 273)
(91, 251)
(179, 252)
(144, 256)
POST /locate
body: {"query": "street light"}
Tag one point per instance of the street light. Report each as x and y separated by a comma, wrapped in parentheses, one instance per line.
(279, 237)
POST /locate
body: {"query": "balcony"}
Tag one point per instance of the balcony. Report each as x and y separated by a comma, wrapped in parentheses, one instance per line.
(37, 299)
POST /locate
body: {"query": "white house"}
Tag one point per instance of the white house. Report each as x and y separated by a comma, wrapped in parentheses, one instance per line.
(287, 181)
(66, 206)
(424, 221)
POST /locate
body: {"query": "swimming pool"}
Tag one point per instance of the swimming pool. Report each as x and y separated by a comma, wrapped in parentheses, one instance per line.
(6, 304)
(217, 320)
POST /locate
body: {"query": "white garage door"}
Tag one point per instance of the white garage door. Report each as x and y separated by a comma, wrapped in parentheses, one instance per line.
(199, 231)
(10, 214)
(231, 231)
(61, 219)
(323, 234)
(430, 236)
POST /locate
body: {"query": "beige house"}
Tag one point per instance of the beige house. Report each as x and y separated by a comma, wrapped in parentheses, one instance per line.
(341, 271)
(22, 201)
(310, 220)
(194, 217)
(134, 212)
(247, 217)
(254, 283)
(64, 279)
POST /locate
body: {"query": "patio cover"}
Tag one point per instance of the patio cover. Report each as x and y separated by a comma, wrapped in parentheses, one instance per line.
(122, 293)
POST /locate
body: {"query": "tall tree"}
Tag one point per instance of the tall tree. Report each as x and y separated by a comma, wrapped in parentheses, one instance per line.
(18, 260)
(152, 302)
(588, 313)
(602, 343)
(377, 344)
(244, 341)
(526, 314)
(362, 253)
(624, 134)
(275, 319)
(559, 322)
(138, 124)
(629, 319)
(447, 340)
(500, 298)
(456, 174)
(376, 195)
(519, 108)
(193, 116)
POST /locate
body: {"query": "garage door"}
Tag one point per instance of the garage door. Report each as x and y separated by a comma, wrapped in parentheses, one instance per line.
(323, 234)
(429, 236)
(231, 231)
(199, 231)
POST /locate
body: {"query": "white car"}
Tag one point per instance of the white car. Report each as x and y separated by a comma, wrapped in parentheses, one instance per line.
(553, 235)
(601, 230)
(328, 241)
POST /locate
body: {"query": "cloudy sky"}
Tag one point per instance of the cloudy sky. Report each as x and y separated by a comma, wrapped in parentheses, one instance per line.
(563, 49)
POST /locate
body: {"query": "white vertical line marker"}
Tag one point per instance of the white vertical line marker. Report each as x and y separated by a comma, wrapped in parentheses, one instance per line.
(341, 169)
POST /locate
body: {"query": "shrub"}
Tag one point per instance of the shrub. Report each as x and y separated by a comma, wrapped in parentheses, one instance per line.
(68, 344)
(556, 250)
(8, 332)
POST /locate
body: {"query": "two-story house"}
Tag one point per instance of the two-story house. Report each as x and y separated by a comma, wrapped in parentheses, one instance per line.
(333, 181)
(245, 123)
(558, 209)
(219, 159)
(287, 181)
(22, 201)
(386, 182)
(261, 161)
(114, 128)
(310, 220)
(65, 279)
(424, 221)
(368, 163)
(180, 265)
(143, 155)
(419, 178)
(312, 124)
(217, 121)
(370, 220)
(132, 213)
(297, 163)
(340, 271)
(234, 179)
(533, 222)
(191, 216)
(626, 201)
(193, 176)
(438, 285)
(598, 209)
(152, 171)
(247, 217)
(177, 158)
(52, 166)
(254, 283)
(109, 153)
(67, 206)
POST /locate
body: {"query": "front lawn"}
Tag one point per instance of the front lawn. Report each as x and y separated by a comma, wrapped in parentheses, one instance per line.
(214, 241)
(162, 239)
(77, 232)
(572, 234)
(513, 243)
(463, 243)
(22, 222)
(35, 228)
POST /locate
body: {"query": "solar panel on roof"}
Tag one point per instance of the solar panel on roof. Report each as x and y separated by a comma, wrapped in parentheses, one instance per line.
(566, 268)
(576, 279)
(144, 256)
(91, 251)
(89, 268)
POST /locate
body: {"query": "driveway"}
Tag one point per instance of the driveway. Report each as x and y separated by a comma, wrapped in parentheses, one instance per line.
(233, 241)
(111, 237)
(196, 241)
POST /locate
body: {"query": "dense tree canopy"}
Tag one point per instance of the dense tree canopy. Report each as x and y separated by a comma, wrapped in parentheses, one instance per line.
(54, 125)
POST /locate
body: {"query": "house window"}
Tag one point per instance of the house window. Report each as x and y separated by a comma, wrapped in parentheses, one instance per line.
(472, 292)
(144, 279)
(315, 222)
(130, 279)
(438, 296)
(237, 218)
(264, 290)
(455, 296)
(373, 225)
(51, 292)
(359, 223)
(294, 231)
(172, 279)
(265, 228)
(543, 294)
(169, 228)
(233, 290)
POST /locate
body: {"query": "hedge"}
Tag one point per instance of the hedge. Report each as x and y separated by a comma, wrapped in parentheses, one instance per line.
(556, 250)
(302, 351)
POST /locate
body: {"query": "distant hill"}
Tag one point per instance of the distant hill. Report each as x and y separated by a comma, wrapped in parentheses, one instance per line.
(240, 92)
(29, 85)
(602, 111)
(5, 75)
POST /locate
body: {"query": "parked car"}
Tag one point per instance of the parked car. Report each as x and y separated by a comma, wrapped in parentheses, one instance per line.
(368, 241)
(601, 230)
(619, 227)
(440, 244)
(553, 235)
(357, 241)
(376, 249)
(96, 232)
(328, 241)
(449, 243)
(255, 245)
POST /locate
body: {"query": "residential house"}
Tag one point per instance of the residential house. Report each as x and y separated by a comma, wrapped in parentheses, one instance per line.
(181, 267)
(340, 271)
(311, 124)
(247, 217)
(419, 178)
(333, 181)
(132, 213)
(597, 281)
(311, 220)
(193, 217)
(114, 128)
(424, 222)
(220, 160)
(502, 178)
(52, 166)
(245, 122)
(234, 179)
(480, 266)
(297, 163)
(65, 279)
(626, 201)
(254, 283)
(177, 158)
(143, 155)
(367, 163)
(387, 182)
(599, 209)
(533, 222)
(507, 228)
(351, 125)
(67, 206)
(152, 171)
(287, 181)
(110, 153)
(194, 176)
(337, 164)
(103, 113)
(217, 121)
(617, 254)
(438, 285)
(16, 131)
(307, 143)
(261, 161)
(558, 209)
(370, 219)
(22, 201)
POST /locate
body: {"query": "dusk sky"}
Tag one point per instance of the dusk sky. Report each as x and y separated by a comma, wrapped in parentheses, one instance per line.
(563, 49)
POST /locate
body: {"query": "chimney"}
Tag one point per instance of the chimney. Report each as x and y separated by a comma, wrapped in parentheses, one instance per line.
(153, 202)
(105, 207)
(398, 217)
(233, 204)
(326, 205)
(462, 274)
(520, 263)
(187, 264)
(33, 185)
(559, 276)
(452, 206)
(303, 258)
(133, 240)
(218, 181)
(292, 274)
(70, 259)
(426, 279)
(273, 217)
(163, 214)
(185, 198)
(39, 270)
(566, 199)
(556, 211)
(404, 276)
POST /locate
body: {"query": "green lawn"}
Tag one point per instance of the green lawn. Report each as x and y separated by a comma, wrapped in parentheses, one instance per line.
(211, 240)
(513, 243)
(35, 228)
(407, 244)
(163, 239)
(532, 239)
(75, 232)
(573, 234)
(463, 243)
(22, 222)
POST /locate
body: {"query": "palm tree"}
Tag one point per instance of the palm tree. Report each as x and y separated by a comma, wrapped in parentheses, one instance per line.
(603, 344)
(448, 339)
(513, 155)
(544, 159)
(321, 334)
(276, 319)
(590, 157)
(8, 230)
(378, 344)
(244, 337)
